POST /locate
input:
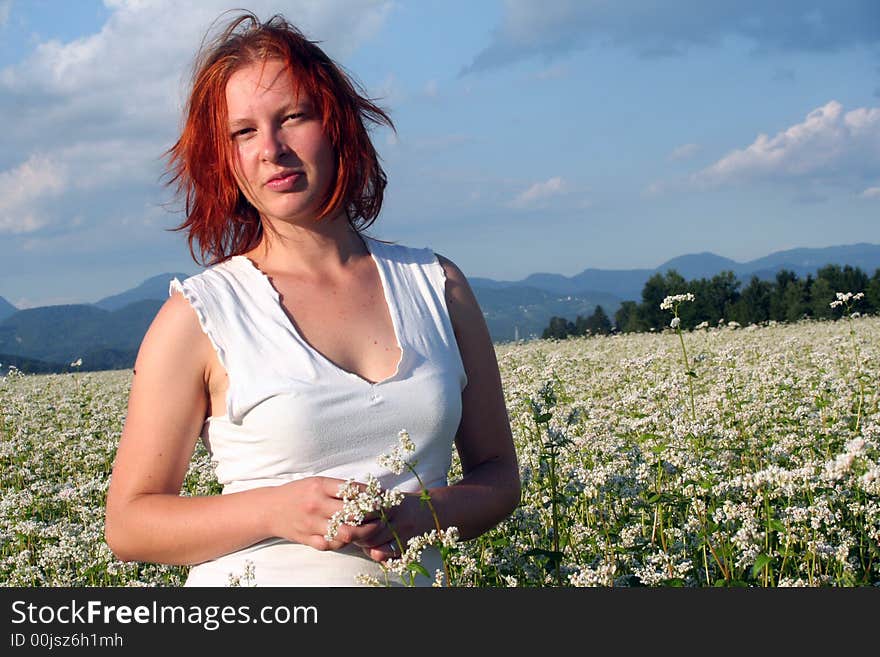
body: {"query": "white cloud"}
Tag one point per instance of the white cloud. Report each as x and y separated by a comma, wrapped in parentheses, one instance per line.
(105, 163)
(871, 192)
(156, 41)
(684, 152)
(391, 92)
(102, 109)
(538, 191)
(538, 29)
(24, 189)
(655, 188)
(830, 145)
(431, 89)
(32, 195)
(24, 303)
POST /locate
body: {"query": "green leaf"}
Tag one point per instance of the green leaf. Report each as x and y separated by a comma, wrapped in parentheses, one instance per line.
(418, 568)
(760, 562)
(654, 498)
(776, 525)
(544, 417)
(551, 555)
(691, 373)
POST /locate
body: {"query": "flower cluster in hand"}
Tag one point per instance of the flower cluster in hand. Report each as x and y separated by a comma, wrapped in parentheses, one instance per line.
(357, 503)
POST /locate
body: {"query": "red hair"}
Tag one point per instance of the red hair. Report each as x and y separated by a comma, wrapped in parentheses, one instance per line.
(218, 216)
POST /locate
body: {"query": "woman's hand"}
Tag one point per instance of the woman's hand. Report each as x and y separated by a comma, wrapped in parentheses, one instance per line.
(302, 509)
(375, 537)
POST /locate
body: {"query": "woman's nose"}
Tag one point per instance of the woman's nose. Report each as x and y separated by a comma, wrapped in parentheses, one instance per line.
(273, 146)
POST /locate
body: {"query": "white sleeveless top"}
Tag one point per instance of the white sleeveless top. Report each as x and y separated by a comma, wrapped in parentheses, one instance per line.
(292, 413)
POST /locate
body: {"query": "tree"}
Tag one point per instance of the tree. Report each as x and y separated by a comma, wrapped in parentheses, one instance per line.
(657, 288)
(559, 328)
(848, 279)
(598, 323)
(784, 278)
(872, 294)
(628, 318)
(821, 296)
(753, 305)
(796, 300)
(714, 299)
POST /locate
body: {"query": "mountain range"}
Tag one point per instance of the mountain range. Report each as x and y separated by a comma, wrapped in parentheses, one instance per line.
(627, 284)
(107, 333)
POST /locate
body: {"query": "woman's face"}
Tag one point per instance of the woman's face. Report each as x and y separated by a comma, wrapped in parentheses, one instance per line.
(283, 161)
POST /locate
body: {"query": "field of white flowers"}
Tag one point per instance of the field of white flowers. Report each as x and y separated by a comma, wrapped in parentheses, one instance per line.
(723, 456)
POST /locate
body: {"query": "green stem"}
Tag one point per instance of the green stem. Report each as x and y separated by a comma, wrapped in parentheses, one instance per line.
(852, 335)
(687, 368)
(555, 515)
(397, 540)
(426, 496)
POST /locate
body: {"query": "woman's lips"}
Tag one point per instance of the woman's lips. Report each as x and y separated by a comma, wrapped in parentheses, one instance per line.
(284, 183)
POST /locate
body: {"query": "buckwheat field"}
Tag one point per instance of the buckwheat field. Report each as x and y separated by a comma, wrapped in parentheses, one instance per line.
(722, 456)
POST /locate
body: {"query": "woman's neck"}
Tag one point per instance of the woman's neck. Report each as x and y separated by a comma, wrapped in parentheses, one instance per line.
(326, 248)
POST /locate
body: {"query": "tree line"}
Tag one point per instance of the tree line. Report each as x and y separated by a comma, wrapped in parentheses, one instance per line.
(787, 298)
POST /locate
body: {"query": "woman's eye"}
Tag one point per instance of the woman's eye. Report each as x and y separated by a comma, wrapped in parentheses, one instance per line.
(295, 115)
(244, 132)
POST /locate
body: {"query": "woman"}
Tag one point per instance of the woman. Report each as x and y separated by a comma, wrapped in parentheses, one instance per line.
(305, 347)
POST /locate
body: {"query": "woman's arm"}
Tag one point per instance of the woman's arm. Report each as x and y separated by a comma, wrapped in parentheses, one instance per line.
(147, 519)
(490, 487)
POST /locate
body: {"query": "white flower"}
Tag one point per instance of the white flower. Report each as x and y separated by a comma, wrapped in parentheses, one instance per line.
(674, 300)
(357, 503)
(845, 298)
(675, 322)
(395, 460)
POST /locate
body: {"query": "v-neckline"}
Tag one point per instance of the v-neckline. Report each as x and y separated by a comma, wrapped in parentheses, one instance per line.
(289, 324)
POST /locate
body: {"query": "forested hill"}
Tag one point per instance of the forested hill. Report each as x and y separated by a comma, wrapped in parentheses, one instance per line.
(107, 333)
(63, 334)
(627, 284)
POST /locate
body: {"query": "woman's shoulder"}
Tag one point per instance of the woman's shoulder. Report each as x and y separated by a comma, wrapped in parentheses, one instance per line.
(175, 335)
(452, 271)
(212, 275)
(184, 320)
(400, 253)
(425, 255)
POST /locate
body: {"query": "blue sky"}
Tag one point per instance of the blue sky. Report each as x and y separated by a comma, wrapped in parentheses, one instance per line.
(533, 136)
